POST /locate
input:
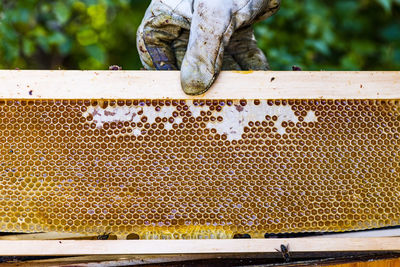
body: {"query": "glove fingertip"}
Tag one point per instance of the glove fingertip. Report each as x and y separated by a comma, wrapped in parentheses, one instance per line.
(195, 87)
(195, 81)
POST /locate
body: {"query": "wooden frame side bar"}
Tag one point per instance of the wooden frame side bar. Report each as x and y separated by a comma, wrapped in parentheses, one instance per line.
(164, 247)
(28, 84)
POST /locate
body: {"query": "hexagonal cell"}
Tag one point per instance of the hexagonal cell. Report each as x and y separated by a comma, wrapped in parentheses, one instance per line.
(199, 168)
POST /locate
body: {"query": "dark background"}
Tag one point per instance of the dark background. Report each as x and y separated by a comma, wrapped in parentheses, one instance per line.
(93, 34)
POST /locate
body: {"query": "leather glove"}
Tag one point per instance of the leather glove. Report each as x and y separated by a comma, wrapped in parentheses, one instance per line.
(201, 37)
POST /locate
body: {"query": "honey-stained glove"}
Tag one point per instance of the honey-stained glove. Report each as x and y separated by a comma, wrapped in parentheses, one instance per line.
(201, 37)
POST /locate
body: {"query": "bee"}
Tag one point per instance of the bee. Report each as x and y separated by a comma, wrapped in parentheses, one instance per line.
(285, 252)
(241, 236)
(104, 236)
(115, 67)
(296, 68)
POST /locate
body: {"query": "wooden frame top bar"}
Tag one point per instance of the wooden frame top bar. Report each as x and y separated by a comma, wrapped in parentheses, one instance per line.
(164, 247)
(36, 84)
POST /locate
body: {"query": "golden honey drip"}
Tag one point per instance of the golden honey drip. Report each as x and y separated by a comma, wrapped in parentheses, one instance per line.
(199, 168)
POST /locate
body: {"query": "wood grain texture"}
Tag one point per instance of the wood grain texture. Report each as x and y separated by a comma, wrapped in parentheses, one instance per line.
(367, 233)
(45, 236)
(146, 247)
(204, 260)
(133, 260)
(374, 263)
(166, 84)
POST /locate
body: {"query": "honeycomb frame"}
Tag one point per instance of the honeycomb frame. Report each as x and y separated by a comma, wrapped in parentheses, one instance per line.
(188, 169)
(73, 162)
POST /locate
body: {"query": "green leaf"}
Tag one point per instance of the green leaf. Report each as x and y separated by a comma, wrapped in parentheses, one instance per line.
(56, 38)
(65, 47)
(319, 46)
(43, 43)
(98, 15)
(397, 56)
(90, 64)
(392, 32)
(386, 4)
(62, 12)
(87, 37)
(28, 47)
(96, 52)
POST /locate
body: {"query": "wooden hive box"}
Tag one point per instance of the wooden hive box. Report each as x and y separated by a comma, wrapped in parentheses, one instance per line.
(127, 153)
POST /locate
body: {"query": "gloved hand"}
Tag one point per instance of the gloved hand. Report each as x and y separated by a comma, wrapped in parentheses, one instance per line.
(201, 37)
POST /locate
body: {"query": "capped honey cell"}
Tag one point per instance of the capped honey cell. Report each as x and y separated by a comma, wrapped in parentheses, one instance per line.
(192, 169)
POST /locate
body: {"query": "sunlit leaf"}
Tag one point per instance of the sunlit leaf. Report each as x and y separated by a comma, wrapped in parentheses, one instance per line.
(28, 47)
(87, 37)
(96, 52)
(62, 12)
(386, 4)
(56, 38)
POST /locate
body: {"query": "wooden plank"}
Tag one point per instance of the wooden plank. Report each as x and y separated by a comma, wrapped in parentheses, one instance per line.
(369, 233)
(61, 236)
(44, 236)
(206, 260)
(146, 247)
(132, 260)
(32, 84)
(373, 263)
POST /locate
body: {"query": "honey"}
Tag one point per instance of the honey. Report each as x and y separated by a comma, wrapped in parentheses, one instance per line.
(182, 169)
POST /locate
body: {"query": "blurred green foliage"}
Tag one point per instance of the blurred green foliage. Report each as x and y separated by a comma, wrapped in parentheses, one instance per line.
(333, 35)
(69, 34)
(93, 34)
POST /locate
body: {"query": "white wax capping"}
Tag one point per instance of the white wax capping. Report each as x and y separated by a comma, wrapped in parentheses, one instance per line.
(125, 113)
(310, 117)
(112, 114)
(235, 117)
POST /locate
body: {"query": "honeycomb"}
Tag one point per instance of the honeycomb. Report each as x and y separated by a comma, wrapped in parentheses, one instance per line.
(172, 169)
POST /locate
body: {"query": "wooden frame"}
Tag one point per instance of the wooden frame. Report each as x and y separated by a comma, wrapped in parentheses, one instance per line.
(18, 84)
(164, 247)
(225, 259)
(391, 232)
(166, 84)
